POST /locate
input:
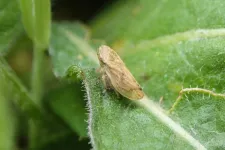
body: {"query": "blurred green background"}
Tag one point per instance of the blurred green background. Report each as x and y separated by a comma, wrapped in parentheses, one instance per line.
(20, 59)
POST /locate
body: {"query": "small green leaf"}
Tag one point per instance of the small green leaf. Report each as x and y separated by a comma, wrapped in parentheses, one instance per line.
(27, 17)
(36, 16)
(68, 103)
(42, 22)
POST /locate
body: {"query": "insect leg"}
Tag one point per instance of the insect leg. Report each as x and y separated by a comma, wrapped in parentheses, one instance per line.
(108, 84)
(106, 81)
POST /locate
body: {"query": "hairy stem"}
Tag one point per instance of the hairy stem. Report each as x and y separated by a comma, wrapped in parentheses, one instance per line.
(188, 90)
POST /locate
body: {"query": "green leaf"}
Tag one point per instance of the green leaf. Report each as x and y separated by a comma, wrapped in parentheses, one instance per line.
(167, 45)
(149, 19)
(68, 47)
(69, 101)
(10, 24)
(191, 63)
(170, 45)
(36, 16)
(101, 107)
(115, 119)
(49, 131)
(42, 22)
(20, 94)
(27, 16)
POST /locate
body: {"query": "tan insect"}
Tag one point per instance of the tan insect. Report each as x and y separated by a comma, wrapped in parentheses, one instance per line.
(115, 74)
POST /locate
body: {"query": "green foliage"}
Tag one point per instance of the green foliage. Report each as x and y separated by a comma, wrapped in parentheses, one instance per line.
(27, 17)
(7, 129)
(69, 47)
(163, 46)
(66, 102)
(10, 25)
(145, 20)
(36, 17)
(21, 96)
(42, 22)
(167, 45)
(117, 124)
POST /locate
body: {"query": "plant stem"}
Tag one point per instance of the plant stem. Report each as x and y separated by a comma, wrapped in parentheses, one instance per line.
(37, 86)
(192, 90)
(37, 74)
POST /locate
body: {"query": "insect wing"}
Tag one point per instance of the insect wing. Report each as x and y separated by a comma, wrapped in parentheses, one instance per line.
(123, 81)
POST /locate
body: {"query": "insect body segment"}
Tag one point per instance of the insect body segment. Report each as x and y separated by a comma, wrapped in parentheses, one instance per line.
(116, 75)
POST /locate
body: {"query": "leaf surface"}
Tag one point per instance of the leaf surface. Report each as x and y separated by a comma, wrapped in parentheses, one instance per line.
(10, 24)
(170, 45)
(112, 119)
